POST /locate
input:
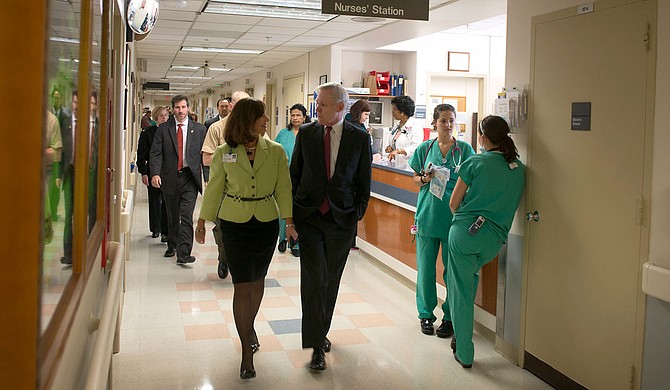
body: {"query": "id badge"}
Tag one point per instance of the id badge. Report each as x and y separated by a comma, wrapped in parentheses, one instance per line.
(439, 181)
(230, 158)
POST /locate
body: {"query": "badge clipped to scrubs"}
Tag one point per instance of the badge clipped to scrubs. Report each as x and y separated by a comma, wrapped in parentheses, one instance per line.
(438, 183)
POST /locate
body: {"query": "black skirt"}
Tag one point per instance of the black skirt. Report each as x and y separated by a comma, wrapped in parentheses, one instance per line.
(249, 248)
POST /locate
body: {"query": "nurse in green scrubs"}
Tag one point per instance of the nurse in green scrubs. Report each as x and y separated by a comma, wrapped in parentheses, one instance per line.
(488, 189)
(433, 215)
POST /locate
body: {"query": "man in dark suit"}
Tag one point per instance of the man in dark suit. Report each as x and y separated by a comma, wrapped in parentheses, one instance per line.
(223, 106)
(67, 177)
(176, 165)
(331, 173)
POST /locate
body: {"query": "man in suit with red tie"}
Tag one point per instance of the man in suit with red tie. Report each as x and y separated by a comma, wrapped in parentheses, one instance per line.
(175, 156)
(331, 173)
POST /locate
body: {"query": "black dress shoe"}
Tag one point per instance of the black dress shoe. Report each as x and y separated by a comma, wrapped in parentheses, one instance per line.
(66, 260)
(453, 345)
(459, 362)
(318, 360)
(163, 237)
(185, 259)
(222, 270)
(326, 345)
(247, 374)
(445, 330)
(427, 326)
(169, 252)
(295, 252)
(282, 246)
(155, 235)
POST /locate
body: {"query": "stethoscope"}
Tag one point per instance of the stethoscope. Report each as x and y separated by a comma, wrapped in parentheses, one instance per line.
(457, 165)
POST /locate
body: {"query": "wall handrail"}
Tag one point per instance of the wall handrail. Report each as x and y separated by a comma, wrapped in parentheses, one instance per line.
(656, 281)
(99, 369)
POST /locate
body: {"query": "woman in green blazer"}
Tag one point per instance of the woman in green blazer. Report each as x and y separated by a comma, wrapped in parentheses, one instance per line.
(249, 190)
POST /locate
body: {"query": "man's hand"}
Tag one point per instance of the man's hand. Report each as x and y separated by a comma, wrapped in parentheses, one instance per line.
(145, 180)
(156, 181)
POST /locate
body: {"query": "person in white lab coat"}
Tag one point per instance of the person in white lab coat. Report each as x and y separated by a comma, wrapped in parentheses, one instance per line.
(408, 133)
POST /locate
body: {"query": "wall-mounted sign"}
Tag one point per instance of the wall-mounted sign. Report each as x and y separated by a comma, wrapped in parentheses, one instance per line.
(391, 9)
(581, 116)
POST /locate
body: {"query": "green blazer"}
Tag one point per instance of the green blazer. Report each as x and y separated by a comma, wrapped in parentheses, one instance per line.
(236, 178)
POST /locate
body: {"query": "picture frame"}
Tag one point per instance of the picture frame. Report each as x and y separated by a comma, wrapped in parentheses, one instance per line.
(323, 79)
(458, 61)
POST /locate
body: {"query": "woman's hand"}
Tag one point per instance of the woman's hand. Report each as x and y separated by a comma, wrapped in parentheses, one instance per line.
(290, 229)
(388, 149)
(200, 231)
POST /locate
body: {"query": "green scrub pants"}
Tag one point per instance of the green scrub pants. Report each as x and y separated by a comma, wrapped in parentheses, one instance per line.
(426, 292)
(467, 255)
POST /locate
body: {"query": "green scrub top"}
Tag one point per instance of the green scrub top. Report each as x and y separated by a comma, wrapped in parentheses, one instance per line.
(494, 191)
(433, 216)
(287, 140)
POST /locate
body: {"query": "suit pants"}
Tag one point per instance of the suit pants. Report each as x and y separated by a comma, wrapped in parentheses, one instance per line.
(179, 207)
(157, 212)
(68, 200)
(324, 248)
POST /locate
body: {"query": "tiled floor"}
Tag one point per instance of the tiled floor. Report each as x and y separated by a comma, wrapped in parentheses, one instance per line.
(178, 330)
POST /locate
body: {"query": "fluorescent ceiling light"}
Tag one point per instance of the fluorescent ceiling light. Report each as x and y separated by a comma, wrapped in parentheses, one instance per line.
(192, 67)
(221, 50)
(304, 4)
(184, 67)
(189, 77)
(269, 9)
(69, 40)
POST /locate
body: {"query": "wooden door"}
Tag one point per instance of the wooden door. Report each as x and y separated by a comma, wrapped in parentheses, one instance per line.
(583, 255)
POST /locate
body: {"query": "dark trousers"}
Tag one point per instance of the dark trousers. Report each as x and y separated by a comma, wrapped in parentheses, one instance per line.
(68, 200)
(324, 248)
(179, 207)
(157, 212)
(218, 238)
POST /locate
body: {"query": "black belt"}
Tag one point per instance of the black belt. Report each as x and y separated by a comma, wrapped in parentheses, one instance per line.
(239, 198)
(183, 170)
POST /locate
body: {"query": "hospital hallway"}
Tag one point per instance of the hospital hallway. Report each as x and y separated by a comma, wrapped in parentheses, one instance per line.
(178, 332)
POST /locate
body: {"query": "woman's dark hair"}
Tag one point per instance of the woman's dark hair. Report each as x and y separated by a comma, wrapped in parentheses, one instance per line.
(497, 131)
(441, 108)
(239, 125)
(358, 108)
(404, 104)
(302, 109)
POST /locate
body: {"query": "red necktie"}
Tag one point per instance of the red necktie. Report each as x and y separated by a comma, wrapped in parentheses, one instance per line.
(180, 148)
(325, 206)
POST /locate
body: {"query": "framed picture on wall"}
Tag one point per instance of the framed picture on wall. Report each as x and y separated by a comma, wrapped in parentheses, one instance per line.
(458, 61)
(323, 79)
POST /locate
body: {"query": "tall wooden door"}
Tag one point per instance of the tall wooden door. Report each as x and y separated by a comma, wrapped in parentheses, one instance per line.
(583, 254)
(293, 92)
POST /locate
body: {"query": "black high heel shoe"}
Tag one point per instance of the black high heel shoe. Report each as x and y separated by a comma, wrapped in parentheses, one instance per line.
(247, 374)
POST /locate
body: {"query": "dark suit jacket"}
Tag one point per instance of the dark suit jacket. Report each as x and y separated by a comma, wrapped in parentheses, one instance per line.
(211, 121)
(67, 136)
(164, 158)
(348, 189)
(144, 150)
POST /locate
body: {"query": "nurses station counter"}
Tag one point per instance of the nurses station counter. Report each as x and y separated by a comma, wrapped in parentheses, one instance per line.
(385, 231)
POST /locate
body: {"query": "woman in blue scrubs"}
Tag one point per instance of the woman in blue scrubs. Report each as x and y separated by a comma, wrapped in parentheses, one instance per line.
(433, 215)
(484, 201)
(286, 138)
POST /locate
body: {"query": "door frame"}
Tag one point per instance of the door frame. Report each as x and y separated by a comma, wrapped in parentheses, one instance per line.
(647, 165)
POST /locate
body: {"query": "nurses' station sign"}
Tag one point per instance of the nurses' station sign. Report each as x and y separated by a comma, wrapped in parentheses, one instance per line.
(392, 9)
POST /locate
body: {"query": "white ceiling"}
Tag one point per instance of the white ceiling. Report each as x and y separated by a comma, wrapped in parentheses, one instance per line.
(282, 39)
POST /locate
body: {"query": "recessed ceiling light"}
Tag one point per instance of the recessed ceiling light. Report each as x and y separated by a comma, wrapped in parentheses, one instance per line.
(367, 19)
(270, 9)
(221, 50)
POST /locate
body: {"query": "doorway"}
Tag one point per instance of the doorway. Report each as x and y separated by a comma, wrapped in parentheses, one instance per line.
(584, 253)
